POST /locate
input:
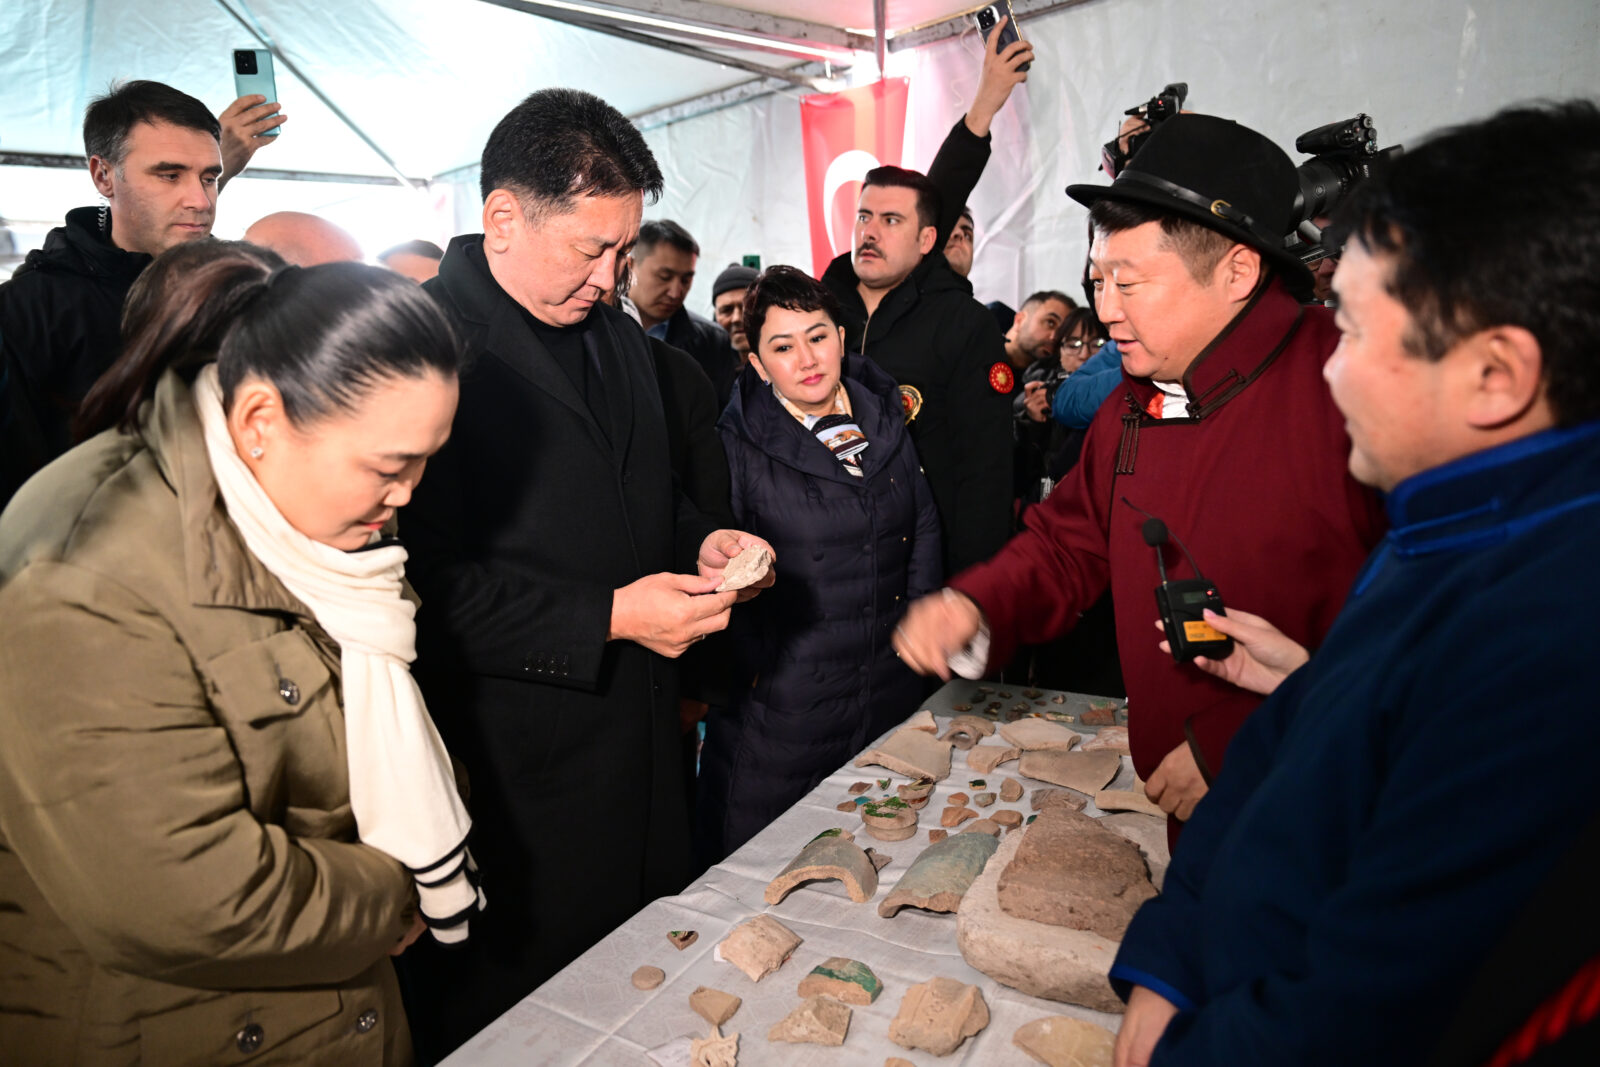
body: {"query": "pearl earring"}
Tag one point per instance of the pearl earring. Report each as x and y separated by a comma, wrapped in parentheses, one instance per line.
(255, 453)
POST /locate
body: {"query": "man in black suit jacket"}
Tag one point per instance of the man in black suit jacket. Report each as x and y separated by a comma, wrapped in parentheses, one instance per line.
(548, 545)
(664, 260)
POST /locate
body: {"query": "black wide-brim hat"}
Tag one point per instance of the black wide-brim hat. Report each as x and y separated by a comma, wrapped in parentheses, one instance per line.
(1225, 176)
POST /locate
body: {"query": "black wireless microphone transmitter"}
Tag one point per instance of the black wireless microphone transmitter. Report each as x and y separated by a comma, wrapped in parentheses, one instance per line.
(1182, 604)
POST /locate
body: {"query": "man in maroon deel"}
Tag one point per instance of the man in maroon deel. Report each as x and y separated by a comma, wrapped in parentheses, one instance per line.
(1222, 428)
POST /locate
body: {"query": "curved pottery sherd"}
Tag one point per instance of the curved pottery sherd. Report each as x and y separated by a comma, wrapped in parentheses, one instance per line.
(842, 979)
(1037, 735)
(1087, 772)
(831, 854)
(965, 731)
(937, 879)
(891, 819)
(911, 752)
(759, 946)
(916, 793)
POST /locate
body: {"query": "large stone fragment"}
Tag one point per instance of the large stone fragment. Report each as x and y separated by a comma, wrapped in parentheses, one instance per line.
(745, 569)
(713, 1005)
(760, 946)
(831, 854)
(938, 1015)
(1070, 871)
(1061, 1041)
(911, 752)
(817, 1021)
(937, 878)
(1052, 962)
(1037, 735)
(1087, 772)
(842, 979)
(985, 758)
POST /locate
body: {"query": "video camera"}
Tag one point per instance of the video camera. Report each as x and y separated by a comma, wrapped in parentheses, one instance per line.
(1115, 153)
(1342, 155)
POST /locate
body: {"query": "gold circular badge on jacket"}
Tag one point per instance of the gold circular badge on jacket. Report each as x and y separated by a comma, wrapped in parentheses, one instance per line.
(911, 401)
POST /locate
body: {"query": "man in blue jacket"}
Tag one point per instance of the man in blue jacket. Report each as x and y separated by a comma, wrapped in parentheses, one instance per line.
(1386, 812)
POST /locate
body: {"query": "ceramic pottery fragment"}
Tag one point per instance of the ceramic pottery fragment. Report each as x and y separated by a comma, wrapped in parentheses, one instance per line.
(1010, 790)
(879, 860)
(713, 1005)
(1003, 695)
(1059, 698)
(648, 977)
(938, 1015)
(1070, 871)
(913, 753)
(714, 1051)
(1111, 738)
(982, 826)
(1060, 1041)
(1045, 798)
(956, 816)
(1037, 735)
(1149, 834)
(985, 758)
(967, 730)
(983, 800)
(746, 569)
(1127, 800)
(847, 980)
(857, 788)
(937, 879)
(1007, 818)
(682, 939)
(1087, 772)
(817, 1021)
(845, 805)
(761, 945)
(977, 783)
(883, 784)
(957, 799)
(1032, 694)
(1099, 714)
(831, 854)
(922, 720)
(1053, 962)
(937, 835)
(896, 1061)
(891, 819)
(916, 793)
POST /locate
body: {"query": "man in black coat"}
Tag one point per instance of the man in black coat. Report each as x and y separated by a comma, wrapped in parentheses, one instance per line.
(545, 542)
(664, 261)
(159, 158)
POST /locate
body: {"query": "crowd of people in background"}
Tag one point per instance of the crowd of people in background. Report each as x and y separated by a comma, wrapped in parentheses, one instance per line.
(241, 769)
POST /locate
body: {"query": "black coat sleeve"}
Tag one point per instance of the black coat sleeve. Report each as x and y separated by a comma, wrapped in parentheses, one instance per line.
(980, 419)
(955, 171)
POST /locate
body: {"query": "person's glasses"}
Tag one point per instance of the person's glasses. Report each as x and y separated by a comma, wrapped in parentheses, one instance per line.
(1077, 344)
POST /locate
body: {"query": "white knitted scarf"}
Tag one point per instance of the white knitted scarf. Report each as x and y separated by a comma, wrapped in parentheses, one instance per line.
(402, 787)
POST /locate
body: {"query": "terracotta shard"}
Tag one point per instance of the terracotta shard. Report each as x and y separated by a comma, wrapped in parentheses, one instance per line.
(896, 1061)
(890, 819)
(1100, 714)
(937, 835)
(760, 946)
(714, 1051)
(1007, 818)
(1040, 799)
(956, 816)
(831, 854)
(682, 939)
(1070, 871)
(1087, 772)
(817, 1021)
(879, 860)
(847, 980)
(846, 805)
(1111, 738)
(916, 793)
(983, 800)
(965, 731)
(982, 826)
(1010, 790)
(648, 977)
(958, 799)
(937, 879)
(746, 569)
(713, 1005)
(913, 753)
(1053, 962)
(1149, 834)
(1127, 800)
(938, 1015)
(985, 758)
(857, 788)
(1037, 735)
(922, 720)
(1060, 1041)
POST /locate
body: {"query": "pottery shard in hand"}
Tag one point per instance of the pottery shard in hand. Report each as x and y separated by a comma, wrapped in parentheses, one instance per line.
(1061, 1041)
(831, 854)
(746, 569)
(1070, 871)
(817, 1021)
(939, 877)
(760, 946)
(938, 1015)
(1037, 735)
(910, 752)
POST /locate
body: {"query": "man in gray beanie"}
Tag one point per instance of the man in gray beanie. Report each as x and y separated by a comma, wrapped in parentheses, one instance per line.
(727, 300)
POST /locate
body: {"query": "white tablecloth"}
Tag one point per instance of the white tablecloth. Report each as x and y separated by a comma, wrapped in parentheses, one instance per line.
(590, 1012)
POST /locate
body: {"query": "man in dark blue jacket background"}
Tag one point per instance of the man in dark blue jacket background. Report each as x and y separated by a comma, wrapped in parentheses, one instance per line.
(1387, 811)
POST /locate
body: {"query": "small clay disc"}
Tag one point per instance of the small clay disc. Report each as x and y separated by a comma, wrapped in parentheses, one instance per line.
(648, 977)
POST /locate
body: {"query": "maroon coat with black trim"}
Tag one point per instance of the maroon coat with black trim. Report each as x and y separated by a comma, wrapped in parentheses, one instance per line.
(1255, 482)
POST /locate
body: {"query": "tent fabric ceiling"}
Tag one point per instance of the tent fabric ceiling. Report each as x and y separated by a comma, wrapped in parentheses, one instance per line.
(857, 14)
(425, 79)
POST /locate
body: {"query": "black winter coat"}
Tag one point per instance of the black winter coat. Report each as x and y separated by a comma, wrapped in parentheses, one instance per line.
(526, 522)
(709, 345)
(814, 670)
(60, 328)
(941, 345)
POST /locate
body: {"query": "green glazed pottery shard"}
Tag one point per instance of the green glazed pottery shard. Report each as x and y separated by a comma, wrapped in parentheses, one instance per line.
(842, 979)
(886, 806)
(835, 832)
(978, 783)
(940, 876)
(832, 854)
(883, 784)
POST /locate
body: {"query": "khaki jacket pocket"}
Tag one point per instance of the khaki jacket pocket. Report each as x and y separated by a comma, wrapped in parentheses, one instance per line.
(241, 1028)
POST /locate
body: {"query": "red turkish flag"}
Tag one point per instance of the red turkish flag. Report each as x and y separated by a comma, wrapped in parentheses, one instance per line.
(845, 135)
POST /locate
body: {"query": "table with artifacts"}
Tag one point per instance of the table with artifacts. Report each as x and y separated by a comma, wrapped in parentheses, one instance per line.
(954, 895)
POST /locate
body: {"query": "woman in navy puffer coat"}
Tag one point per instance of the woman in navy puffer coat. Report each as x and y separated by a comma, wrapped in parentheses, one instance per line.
(815, 676)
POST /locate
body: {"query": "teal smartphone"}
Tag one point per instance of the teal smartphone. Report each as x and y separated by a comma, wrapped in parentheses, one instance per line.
(252, 73)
